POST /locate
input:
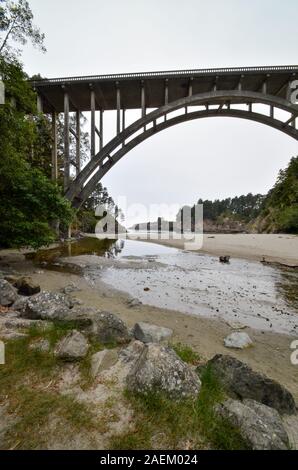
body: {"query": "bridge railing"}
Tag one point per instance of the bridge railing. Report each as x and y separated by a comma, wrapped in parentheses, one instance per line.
(169, 73)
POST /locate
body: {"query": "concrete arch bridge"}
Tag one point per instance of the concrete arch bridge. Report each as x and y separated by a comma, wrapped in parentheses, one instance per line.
(164, 100)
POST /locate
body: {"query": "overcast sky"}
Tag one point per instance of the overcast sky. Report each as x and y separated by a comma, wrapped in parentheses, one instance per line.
(211, 158)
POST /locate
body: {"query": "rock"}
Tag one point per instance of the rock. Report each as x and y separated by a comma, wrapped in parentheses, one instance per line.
(8, 294)
(158, 368)
(103, 360)
(47, 306)
(20, 323)
(12, 279)
(224, 259)
(41, 345)
(238, 340)
(26, 286)
(108, 328)
(132, 352)
(151, 333)
(72, 347)
(72, 287)
(20, 304)
(240, 381)
(134, 303)
(8, 334)
(260, 426)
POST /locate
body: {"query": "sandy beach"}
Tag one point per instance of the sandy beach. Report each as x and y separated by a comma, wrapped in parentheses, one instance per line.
(276, 248)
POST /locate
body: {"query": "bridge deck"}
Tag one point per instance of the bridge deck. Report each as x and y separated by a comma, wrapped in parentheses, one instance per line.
(51, 91)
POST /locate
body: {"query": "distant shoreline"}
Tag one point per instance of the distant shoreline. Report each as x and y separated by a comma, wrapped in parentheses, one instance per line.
(274, 248)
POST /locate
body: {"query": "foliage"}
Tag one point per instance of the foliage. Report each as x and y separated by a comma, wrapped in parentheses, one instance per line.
(16, 26)
(179, 424)
(186, 353)
(280, 212)
(30, 203)
(242, 208)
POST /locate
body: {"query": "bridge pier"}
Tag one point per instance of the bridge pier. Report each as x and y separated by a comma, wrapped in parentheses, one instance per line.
(54, 147)
(118, 99)
(92, 107)
(66, 142)
(78, 142)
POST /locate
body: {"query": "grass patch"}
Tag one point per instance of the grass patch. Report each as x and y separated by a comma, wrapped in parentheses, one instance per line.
(23, 385)
(54, 333)
(186, 353)
(167, 424)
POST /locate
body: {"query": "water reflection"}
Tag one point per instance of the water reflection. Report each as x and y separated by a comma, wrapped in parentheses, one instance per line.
(85, 246)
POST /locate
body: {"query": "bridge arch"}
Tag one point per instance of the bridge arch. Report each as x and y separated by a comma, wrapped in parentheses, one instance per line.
(113, 151)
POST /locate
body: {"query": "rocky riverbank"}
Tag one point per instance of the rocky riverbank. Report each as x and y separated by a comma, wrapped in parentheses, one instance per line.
(102, 342)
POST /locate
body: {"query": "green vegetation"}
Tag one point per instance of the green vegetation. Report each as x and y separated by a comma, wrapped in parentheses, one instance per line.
(186, 353)
(276, 212)
(242, 208)
(32, 206)
(30, 202)
(25, 382)
(280, 212)
(168, 424)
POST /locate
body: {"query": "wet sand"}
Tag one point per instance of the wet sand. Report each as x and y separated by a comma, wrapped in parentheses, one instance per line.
(276, 248)
(270, 353)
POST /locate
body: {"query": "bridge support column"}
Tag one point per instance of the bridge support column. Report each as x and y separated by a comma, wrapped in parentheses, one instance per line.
(54, 147)
(101, 129)
(123, 124)
(92, 105)
(66, 141)
(143, 101)
(78, 142)
(39, 104)
(118, 107)
(189, 92)
(166, 94)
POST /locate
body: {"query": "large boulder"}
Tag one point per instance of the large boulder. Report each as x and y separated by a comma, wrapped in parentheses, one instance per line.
(72, 347)
(259, 425)
(26, 286)
(151, 333)
(158, 368)
(108, 328)
(240, 381)
(8, 294)
(47, 306)
(55, 306)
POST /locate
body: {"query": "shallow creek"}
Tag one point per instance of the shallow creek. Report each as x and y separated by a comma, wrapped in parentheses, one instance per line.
(261, 296)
